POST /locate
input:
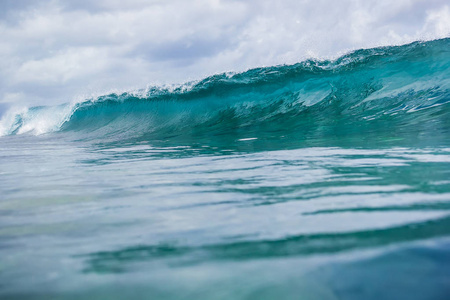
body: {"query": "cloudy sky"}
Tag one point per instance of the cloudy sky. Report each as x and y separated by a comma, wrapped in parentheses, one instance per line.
(55, 51)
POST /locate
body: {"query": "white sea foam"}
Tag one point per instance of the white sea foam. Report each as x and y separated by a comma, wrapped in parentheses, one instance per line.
(36, 121)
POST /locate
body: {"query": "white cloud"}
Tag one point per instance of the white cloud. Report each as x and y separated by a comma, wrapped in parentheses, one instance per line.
(54, 51)
(63, 67)
(438, 22)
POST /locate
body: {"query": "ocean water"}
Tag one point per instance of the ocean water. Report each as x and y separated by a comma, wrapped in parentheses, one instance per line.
(320, 180)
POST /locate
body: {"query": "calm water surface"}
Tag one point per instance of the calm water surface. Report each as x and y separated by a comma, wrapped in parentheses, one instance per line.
(85, 220)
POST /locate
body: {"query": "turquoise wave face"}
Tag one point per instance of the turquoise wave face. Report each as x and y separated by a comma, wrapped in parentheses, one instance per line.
(382, 95)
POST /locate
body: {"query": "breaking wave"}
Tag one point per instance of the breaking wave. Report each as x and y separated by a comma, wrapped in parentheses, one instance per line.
(397, 91)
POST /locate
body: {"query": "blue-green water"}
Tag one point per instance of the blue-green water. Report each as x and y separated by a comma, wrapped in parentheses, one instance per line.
(321, 180)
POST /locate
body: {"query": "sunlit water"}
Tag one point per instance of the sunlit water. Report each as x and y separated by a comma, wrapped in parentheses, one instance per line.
(208, 194)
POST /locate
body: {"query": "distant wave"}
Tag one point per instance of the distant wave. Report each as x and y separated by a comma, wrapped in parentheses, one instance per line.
(400, 88)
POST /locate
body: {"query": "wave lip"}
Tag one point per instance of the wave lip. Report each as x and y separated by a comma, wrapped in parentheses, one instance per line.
(386, 84)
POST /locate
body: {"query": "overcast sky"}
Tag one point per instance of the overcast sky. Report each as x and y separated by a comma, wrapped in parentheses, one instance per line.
(55, 51)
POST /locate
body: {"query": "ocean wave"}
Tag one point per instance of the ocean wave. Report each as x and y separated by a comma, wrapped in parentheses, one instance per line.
(368, 90)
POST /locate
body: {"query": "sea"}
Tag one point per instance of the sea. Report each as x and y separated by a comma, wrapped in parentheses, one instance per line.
(326, 179)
